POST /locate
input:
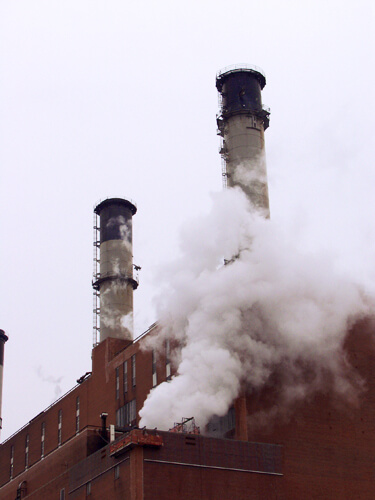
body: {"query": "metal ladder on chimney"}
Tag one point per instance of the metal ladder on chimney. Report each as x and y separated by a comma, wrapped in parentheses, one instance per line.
(96, 276)
(222, 150)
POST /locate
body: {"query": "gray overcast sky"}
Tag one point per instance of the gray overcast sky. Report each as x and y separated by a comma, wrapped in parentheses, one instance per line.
(118, 98)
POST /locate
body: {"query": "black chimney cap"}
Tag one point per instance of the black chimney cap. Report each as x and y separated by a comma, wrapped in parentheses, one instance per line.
(3, 337)
(112, 201)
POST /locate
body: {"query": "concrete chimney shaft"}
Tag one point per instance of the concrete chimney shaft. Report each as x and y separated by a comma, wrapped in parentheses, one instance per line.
(241, 124)
(3, 339)
(116, 282)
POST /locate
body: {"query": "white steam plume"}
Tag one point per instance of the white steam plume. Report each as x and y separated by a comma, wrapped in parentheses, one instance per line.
(251, 171)
(272, 311)
(127, 322)
(55, 381)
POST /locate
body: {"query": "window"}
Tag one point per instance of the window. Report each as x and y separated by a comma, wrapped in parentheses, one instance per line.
(117, 471)
(77, 415)
(127, 414)
(117, 371)
(133, 370)
(59, 427)
(154, 374)
(132, 411)
(167, 360)
(88, 488)
(27, 439)
(11, 461)
(42, 438)
(168, 371)
(62, 494)
(125, 377)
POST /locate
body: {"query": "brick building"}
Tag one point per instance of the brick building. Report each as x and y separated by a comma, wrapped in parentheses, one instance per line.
(64, 451)
(321, 451)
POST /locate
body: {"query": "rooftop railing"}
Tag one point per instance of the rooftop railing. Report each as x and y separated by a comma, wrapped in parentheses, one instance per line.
(235, 67)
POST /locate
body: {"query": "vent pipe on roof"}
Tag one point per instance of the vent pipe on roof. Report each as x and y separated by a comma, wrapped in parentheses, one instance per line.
(3, 339)
(241, 124)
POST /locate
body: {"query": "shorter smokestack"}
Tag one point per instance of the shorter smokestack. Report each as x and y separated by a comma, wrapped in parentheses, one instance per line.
(241, 124)
(3, 339)
(115, 282)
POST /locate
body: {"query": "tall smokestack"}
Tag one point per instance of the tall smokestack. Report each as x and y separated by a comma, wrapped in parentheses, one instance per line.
(115, 282)
(241, 124)
(3, 339)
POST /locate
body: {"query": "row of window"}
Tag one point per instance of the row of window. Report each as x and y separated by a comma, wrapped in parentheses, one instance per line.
(133, 368)
(167, 364)
(127, 414)
(125, 376)
(43, 437)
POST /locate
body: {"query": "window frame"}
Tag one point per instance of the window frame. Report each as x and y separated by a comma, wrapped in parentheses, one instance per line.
(42, 439)
(117, 382)
(125, 374)
(154, 372)
(27, 442)
(134, 371)
(117, 471)
(11, 469)
(168, 369)
(59, 427)
(77, 414)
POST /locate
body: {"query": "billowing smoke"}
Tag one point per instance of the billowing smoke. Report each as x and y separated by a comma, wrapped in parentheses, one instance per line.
(272, 312)
(251, 171)
(127, 322)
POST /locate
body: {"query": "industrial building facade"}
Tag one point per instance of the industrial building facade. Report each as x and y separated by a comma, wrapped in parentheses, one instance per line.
(321, 450)
(66, 451)
(88, 444)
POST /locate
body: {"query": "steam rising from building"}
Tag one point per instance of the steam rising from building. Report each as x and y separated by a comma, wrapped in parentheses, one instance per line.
(273, 315)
